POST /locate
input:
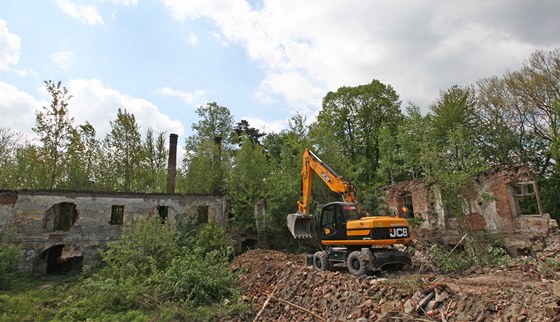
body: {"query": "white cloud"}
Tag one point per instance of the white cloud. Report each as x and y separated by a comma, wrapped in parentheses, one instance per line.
(124, 2)
(419, 48)
(86, 14)
(17, 109)
(192, 39)
(194, 98)
(63, 59)
(9, 47)
(266, 126)
(94, 102)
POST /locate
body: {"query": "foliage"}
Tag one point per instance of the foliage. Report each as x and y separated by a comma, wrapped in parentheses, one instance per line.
(153, 172)
(123, 152)
(247, 185)
(53, 127)
(415, 222)
(348, 128)
(207, 151)
(458, 259)
(10, 257)
(147, 270)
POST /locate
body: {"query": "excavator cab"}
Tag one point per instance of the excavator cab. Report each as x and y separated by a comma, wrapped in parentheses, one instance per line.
(333, 220)
(299, 225)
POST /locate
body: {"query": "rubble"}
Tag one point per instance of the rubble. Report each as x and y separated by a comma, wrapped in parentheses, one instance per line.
(525, 290)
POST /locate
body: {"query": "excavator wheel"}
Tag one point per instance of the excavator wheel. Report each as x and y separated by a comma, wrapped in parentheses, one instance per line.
(321, 261)
(356, 263)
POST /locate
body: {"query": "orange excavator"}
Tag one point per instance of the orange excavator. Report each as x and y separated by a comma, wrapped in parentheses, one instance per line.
(362, 242)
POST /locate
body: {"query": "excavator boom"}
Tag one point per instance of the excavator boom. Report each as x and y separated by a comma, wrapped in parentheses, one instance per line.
(299, 223)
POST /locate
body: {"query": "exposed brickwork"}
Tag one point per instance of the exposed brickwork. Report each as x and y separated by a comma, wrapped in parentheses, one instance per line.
(494, 207)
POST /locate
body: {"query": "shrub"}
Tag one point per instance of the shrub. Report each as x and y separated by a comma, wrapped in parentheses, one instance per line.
(10, 257)
(460, 260)
(147, 269)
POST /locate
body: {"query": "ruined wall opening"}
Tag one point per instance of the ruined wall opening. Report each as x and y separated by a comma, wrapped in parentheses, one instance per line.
(117, 215)
(202, 214)
(59, 262)
(525, 198)
(248, 244)
(61, 216)
(162, 213)
(407, 205)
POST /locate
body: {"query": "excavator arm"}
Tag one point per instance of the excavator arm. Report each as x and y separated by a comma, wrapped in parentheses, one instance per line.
(299, 223)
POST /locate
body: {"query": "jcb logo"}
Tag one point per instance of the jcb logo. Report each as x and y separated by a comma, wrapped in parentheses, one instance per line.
(398, 232)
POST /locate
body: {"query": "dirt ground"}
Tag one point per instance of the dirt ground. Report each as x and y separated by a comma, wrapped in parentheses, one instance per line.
(279, 287)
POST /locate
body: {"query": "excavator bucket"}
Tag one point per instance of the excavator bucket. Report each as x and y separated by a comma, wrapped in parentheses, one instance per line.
(299, 225)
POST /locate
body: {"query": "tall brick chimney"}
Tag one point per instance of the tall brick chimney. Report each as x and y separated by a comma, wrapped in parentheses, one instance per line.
(172, 163)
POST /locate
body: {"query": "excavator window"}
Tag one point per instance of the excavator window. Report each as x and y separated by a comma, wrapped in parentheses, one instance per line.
(328, 219)
(350, 212)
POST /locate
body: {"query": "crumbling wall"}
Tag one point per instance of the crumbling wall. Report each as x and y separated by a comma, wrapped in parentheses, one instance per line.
(503, 201)
(42, 225)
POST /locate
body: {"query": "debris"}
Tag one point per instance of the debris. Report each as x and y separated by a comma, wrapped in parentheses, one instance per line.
(279, 288)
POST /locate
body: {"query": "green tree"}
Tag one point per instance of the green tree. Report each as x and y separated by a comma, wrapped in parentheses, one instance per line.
(390, 167)
(451, 157)
(154, 171)
(243, 129)
(348, 126)
(54, 128)
(247, 186)
(123, 150)
(284, 152)
(30, 172)
(411, 138)
(9, 143)
(208, 150)
(82, 157)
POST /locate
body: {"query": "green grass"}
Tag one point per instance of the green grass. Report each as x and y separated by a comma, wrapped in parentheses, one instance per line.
(30, 299)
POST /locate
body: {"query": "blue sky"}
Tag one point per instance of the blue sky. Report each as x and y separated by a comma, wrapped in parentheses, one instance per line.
(264, 60)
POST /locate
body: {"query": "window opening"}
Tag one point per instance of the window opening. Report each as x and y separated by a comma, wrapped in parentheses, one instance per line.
(162, 212)
(117, 215)
(525, 198)
(202, 214)
(408, 207)
(61, 216)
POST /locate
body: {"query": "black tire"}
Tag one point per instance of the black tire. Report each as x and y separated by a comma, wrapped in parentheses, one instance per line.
(321, 261)
(356, 264)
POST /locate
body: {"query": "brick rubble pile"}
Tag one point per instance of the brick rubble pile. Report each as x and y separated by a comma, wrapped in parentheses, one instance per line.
(525, 290)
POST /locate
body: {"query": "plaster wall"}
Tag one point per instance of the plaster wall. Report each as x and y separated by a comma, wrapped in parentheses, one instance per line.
(25, 213)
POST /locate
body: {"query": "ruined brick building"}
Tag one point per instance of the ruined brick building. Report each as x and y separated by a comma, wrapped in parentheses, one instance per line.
(59, 231)
(504, 201)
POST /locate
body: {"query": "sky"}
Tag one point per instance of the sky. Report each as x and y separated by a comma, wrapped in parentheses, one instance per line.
(265, 60)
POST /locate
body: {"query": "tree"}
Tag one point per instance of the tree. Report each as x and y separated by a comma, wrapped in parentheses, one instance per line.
(54, 127)
(30, 171)
(207, 150)
(411, 138)
(243, 129)
(154, 174)
(247, 186)
(451, 157)
(9, 143)
(537, 87)
(82, 157)
(348, 126)
(390, 163)
(124, 152)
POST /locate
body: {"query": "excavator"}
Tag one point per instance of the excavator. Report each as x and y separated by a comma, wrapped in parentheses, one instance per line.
(364, 243)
